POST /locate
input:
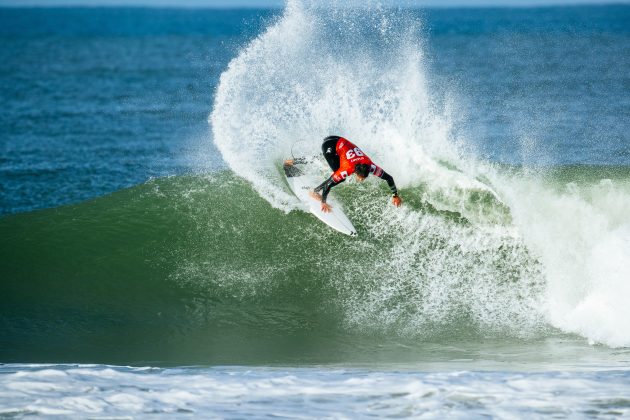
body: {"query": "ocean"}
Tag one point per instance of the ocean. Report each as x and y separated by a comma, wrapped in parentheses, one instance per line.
(153, 260)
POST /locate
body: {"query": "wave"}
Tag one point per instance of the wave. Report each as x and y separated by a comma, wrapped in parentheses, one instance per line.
(203, 270)
(360, 72)
(203, 264)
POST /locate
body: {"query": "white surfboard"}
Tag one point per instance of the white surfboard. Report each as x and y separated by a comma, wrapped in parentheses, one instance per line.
(301, 183)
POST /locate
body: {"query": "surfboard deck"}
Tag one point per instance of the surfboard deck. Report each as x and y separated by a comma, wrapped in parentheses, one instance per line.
(301, 183)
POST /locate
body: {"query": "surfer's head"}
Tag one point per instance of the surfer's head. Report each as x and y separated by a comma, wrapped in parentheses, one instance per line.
(361, 171)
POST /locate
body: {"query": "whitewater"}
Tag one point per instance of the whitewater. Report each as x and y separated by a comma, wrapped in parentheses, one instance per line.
(361, 73)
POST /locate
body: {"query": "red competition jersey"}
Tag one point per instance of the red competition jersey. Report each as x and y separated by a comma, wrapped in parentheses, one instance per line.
(350, 156)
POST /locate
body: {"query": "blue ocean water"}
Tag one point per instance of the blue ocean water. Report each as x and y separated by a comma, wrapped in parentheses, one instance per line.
(557, 76)
(153, 261)
(100, 99)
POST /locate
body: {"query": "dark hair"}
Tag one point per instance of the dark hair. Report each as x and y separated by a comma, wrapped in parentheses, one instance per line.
(362, 170)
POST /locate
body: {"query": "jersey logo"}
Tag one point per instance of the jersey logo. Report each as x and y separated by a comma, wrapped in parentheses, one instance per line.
(343, 174)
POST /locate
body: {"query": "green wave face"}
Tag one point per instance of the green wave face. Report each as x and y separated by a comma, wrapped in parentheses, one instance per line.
(189, 270)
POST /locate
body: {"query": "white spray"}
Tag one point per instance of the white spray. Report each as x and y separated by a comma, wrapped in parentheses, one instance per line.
(359, 73)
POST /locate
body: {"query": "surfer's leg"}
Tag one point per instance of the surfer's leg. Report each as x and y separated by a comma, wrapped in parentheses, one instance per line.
(329, 149)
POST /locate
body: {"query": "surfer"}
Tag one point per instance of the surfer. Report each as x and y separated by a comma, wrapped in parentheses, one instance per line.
(345, 159)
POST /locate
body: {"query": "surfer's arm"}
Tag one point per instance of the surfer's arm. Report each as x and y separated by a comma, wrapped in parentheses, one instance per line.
(325, 187)
(390, 181)
(392, 186)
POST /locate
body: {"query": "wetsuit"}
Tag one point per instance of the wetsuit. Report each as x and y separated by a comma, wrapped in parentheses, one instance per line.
(342, 157)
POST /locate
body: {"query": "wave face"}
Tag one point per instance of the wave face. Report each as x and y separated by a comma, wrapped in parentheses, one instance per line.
(561, 246)
(203, 270)
(196, 270)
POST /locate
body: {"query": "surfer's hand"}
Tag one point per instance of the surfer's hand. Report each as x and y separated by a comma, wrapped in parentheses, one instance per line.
(316, 196)
(326, 208)
(397, 201)
(289, 162)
